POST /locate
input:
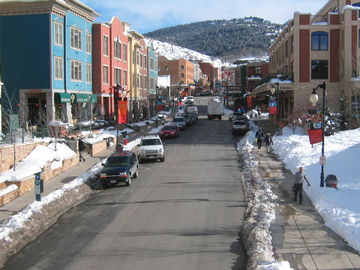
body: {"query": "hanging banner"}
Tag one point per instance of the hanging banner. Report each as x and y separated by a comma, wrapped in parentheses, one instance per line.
(315, 135)
(249, 101)
(314, 121)
(272, 106)
(122, 111)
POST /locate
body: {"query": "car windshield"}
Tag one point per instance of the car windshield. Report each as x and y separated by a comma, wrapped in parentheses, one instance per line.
(117, 161)
(178, 120)
(169, 128)
(151, 142)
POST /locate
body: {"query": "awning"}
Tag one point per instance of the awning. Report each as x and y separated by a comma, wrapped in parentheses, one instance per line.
(93, 99)
(62, 98)
(82, 98)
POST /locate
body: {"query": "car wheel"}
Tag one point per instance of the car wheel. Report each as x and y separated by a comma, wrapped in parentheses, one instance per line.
(104, 185)
(128, 182)
(140, 160)
(136, 174)
(162, 159)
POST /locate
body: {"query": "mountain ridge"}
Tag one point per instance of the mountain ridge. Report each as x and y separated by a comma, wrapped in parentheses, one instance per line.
(225, 39)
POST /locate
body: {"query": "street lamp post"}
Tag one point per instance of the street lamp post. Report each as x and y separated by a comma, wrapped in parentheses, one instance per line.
(314, 98)
(156, 105)
(276, 89)
(116, 101)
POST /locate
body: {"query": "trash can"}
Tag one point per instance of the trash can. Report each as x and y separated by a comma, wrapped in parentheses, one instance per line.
(331, 181)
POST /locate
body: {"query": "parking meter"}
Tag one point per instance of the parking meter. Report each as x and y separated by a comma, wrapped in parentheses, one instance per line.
(39, 186)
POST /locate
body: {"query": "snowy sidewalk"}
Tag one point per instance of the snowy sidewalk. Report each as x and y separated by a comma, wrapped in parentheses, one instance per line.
(299, 234)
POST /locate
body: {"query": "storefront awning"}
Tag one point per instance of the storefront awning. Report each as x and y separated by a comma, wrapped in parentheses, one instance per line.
(62, 98)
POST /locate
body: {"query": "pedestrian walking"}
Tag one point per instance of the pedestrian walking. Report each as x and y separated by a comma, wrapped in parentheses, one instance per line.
(268, 142)
(259, 137)
(81, 150)
(298, 184)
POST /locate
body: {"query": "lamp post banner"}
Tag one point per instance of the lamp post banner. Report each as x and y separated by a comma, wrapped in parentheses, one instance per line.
(315, 136)
(122, 111)
(314, 121)
(272, 106)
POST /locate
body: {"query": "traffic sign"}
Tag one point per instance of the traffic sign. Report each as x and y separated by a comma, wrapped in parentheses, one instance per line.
(322, 160)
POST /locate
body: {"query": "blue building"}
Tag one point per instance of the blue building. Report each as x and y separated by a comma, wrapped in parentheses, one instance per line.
(46, 58)
(153, 77)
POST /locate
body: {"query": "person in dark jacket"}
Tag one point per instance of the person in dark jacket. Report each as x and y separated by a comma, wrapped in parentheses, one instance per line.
(81, 150)
(268, 141)
(259, 137)
(298, 184)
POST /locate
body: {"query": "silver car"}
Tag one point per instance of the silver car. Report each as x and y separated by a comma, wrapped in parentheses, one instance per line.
(180, 122)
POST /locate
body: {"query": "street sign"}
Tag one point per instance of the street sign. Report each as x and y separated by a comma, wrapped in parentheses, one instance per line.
(322, 160)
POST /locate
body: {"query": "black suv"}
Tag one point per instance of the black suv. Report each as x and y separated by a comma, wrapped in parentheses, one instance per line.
(119, 167)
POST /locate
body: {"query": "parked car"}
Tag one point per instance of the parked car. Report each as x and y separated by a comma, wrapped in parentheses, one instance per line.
(188, 119)
(238, 116)
(120, 167)
(194, 117)
(151, 147)
(180, 122)
(170, 131)
(240, 126)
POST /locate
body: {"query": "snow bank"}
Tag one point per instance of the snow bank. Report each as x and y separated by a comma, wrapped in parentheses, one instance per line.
(36, 160)
(260, 212)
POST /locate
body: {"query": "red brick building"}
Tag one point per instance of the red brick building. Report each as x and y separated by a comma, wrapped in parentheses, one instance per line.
(110, 63)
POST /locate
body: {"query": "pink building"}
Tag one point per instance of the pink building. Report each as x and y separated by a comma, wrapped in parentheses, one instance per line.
(110, 63)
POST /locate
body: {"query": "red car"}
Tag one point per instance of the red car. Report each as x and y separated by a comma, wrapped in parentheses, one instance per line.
(169, 131)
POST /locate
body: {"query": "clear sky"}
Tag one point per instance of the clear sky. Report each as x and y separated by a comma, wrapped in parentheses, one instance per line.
(148, 15)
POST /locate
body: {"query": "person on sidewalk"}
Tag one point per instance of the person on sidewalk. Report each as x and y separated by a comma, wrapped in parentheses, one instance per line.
(268, 141)
(81, 150)
(298, 184)
(259, 137)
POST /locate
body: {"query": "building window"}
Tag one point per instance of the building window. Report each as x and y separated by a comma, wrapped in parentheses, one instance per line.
(88, 73)
(105, 45)
(182, 75)
(117, 73)
(88, 43)
(319, 69)
(258, 70)
(59, 68)
(145, 82)
(117, 49)
(75, 42)
(138, 80)
(76, 70)
(106, 74)
(152, 83)
(319, 41)
(138, 59)
(182, 67)
(152, 64)
(292, 44)
(166, 68)
(58, 34)
(125, 52)
(125, 76)
(145, 63)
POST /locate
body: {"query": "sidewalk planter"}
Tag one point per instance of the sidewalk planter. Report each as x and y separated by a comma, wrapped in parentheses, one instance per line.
(98, 147)
(28, 184)
(8, 196)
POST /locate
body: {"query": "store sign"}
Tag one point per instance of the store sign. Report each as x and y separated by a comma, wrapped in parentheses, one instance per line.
(272, 106)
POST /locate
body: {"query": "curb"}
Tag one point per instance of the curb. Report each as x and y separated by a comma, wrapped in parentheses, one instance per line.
(38, 222)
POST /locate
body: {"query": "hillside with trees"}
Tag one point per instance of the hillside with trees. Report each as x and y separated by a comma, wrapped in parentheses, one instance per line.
(226, 39)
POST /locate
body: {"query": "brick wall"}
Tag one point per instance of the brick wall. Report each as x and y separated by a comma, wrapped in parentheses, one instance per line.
(21, 150)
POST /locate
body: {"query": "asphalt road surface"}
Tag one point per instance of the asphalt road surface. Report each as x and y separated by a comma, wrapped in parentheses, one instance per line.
(185, 213)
